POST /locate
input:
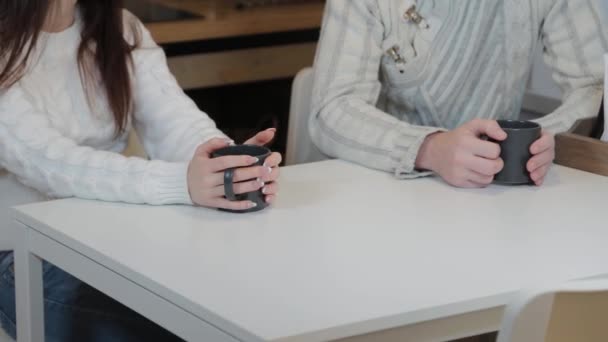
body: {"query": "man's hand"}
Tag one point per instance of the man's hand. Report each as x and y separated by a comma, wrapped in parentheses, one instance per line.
(462, 157)
(543, 153)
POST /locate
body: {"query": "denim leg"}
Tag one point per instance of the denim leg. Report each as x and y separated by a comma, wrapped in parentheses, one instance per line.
(7, 295)
(75, 311)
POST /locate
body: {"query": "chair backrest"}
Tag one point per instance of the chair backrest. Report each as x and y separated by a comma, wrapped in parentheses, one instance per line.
(575, 311)
(300, 148)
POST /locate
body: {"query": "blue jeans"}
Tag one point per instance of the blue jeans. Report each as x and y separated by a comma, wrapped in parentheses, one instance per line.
(75, 311)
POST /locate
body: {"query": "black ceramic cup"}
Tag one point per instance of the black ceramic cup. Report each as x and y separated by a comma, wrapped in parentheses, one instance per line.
(515, 151)
(257, 197)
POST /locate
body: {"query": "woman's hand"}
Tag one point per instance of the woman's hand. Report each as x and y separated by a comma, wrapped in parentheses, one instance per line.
(461, 157)
(206, 174)
(543, 153)
(270, 188)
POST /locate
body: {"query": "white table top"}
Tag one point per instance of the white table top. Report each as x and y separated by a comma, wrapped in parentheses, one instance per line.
(346, 250)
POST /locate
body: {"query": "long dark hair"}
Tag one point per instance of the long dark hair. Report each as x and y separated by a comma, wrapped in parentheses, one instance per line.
(103, 49)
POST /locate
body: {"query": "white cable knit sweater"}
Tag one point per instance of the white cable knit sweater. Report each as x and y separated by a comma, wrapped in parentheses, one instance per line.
(54, 142)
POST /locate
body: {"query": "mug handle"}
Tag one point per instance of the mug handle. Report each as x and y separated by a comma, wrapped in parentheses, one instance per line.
(229, 185)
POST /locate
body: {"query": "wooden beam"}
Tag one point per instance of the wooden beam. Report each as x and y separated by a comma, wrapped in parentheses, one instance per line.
(223, 20)
(240, 66)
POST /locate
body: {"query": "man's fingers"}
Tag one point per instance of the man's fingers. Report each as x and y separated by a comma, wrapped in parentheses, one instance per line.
(490, 128)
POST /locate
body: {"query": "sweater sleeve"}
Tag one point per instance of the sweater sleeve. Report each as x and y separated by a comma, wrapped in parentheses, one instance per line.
(47, 161)
(345, 122)
(575, 38)
(169, 124)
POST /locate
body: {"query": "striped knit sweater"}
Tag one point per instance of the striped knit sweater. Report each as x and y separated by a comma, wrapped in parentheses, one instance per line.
(472, 62)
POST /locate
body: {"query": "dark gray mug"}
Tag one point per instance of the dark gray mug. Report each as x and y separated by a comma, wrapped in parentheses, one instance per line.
(257, 197)
(515, 151)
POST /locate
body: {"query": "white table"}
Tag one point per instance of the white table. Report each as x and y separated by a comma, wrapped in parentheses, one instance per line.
(346, 251)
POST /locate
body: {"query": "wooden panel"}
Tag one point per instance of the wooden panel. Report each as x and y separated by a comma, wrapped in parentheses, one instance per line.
(223, 20)
(232, 67)
(576, 150)
(579, 317)
(581, 153)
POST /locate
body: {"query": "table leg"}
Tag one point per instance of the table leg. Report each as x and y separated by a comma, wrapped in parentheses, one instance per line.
(28, 291)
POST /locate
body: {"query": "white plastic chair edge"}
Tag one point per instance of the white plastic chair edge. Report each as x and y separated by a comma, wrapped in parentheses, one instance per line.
(292, 133)
(521, 301)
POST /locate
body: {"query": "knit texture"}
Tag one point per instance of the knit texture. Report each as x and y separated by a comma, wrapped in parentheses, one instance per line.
(59, 143)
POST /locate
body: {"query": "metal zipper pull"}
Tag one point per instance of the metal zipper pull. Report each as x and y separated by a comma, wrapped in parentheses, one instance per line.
(393, 52)
(411, 14)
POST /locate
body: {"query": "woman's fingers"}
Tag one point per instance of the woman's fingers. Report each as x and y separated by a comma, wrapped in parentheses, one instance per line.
(223, 203)
(262, 138)
(270, 189)
(229, 162)
(239, 188)
(244, 174)
(273, 176)
(273, 160)
(206, 176)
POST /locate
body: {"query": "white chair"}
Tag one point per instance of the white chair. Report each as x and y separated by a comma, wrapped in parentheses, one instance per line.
(576, 311)
(300, 148)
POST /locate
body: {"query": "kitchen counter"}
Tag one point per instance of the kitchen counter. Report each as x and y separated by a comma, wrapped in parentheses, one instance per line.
(222, 19)
(213, 43)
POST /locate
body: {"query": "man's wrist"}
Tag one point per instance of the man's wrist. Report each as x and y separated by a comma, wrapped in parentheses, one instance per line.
(424, 159)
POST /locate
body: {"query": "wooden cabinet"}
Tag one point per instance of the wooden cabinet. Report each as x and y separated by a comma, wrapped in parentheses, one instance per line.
(237, 63)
